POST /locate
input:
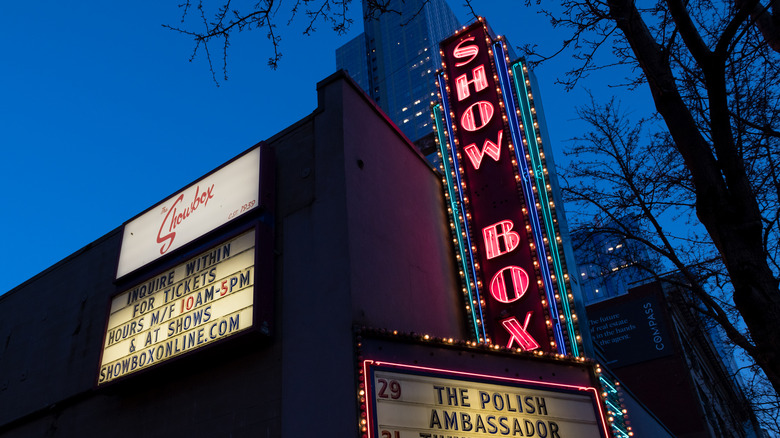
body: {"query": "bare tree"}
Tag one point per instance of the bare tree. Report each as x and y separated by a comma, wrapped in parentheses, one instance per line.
(214, 26)
(763, 398)
(623, 168)
(712, 69)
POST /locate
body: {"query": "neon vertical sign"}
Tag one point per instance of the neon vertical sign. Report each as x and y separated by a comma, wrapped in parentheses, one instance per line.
(500, 240)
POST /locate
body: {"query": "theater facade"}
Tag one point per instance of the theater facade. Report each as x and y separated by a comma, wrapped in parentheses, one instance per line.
(326, 282)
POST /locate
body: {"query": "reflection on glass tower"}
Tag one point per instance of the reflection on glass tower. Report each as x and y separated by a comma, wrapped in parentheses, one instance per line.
(610, 264)
(396, 58)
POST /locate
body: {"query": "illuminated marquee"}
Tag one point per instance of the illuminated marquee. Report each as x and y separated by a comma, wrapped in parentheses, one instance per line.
(502, 249)
(206, 299)
(406, 401)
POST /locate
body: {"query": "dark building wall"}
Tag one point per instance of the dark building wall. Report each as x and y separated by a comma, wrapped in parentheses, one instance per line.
(660, 381)
(397, 225)
(368, 247)
(670, 384)
(356, 243)
(51, 329)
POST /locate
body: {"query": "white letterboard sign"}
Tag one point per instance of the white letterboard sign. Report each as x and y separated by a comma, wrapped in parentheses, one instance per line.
(205, 205)
(203, 300)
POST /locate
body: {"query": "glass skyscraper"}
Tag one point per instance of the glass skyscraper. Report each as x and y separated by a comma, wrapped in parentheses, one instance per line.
(610, 265)
(395, 60)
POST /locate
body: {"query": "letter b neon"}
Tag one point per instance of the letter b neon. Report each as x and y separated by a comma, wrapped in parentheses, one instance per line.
(497, 232)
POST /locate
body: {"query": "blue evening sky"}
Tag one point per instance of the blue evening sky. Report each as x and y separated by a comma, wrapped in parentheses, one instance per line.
(102, 115)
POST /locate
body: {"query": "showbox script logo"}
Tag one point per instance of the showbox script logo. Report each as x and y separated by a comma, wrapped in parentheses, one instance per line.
(175, 216)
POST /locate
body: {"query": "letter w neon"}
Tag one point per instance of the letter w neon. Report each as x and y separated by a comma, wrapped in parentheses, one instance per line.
(520, 333)
(493, 150)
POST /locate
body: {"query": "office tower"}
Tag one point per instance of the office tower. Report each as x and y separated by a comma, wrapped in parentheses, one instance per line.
(609, 265)
(395, 60)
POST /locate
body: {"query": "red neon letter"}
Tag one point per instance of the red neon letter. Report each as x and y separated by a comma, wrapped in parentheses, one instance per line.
(468, 120)
(519, 333)
(462, 82)
(168, 238)
(519, 284)
(492, 235)
(493, 150)
(464, 52)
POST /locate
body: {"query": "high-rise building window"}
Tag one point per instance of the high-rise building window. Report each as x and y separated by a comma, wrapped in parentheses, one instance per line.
(404, 62)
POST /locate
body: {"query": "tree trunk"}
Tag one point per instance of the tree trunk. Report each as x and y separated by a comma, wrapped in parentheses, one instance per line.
(725, 203)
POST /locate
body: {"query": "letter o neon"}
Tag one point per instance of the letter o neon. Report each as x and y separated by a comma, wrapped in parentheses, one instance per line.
(519, 283)
(468, 120)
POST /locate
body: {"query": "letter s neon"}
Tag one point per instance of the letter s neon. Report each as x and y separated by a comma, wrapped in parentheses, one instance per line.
(469, 51)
